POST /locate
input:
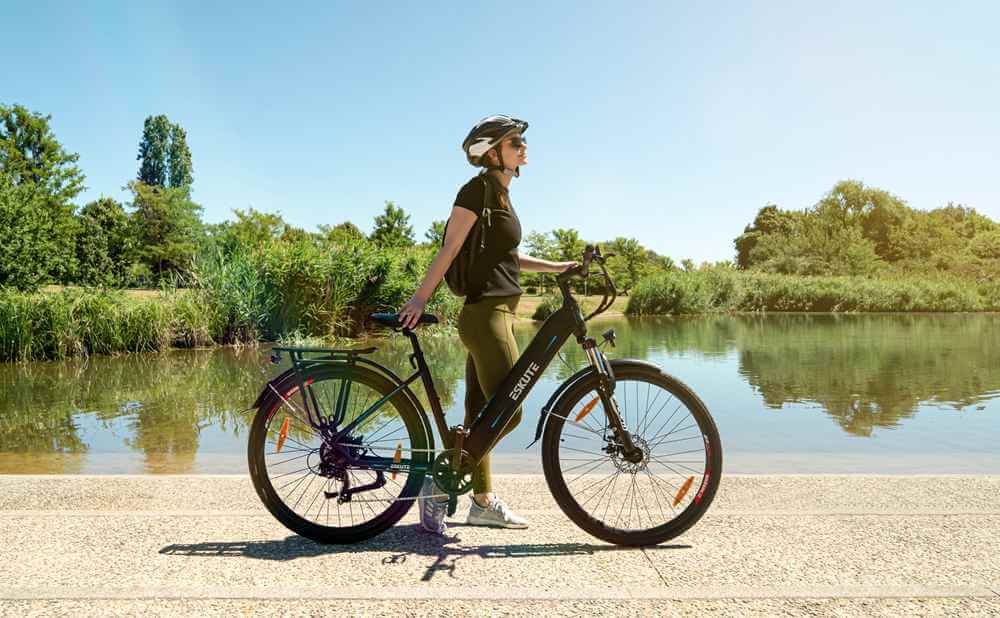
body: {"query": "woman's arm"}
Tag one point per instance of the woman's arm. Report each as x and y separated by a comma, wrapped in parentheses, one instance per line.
(536, 265)
(462, 221)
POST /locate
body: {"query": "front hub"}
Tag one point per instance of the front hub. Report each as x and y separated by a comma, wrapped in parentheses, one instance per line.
(630, 460)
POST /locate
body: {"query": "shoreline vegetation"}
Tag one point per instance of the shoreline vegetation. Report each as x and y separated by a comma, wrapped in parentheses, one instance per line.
(149, 274)
(236, 309)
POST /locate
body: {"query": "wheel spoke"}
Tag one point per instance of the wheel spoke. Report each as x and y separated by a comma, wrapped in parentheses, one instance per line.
(632, 496)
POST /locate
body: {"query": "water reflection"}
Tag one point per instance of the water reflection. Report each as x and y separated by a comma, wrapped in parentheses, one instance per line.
(174, 412)
(872, 371)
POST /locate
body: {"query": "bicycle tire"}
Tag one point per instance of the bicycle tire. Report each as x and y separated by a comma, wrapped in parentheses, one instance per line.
(553, 439)
(410, 419)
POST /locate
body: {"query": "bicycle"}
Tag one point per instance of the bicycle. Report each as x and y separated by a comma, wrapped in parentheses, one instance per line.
(357, 451)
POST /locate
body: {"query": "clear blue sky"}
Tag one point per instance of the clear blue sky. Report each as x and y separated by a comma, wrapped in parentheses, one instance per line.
(660, 121)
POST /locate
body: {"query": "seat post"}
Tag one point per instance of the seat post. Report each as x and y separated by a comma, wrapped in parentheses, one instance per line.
(420, 364)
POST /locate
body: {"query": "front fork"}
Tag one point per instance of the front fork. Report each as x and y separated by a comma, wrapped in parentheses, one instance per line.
(606, 391)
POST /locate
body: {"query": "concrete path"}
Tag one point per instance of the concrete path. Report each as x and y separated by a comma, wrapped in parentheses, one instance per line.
(790, 545)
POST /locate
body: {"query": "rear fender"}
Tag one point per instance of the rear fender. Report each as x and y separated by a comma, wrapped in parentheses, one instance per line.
(287, 384)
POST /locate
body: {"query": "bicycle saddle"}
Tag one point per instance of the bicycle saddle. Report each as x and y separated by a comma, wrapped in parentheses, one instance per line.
(392, 319)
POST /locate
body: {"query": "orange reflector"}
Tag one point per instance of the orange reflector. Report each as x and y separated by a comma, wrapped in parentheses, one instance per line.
(683, 491)
(587, 408)
(397, 457)
(282, 434)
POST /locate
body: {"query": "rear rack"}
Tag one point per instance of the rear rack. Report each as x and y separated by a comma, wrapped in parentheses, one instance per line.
(333, 355)
(300, 361)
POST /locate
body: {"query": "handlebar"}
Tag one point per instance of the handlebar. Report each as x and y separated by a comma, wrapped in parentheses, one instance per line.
(590, 254)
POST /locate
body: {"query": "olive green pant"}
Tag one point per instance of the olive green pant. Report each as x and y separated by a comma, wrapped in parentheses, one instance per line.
(486, 330)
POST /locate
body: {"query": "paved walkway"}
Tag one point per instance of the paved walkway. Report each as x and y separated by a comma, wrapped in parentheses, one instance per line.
(795, 545)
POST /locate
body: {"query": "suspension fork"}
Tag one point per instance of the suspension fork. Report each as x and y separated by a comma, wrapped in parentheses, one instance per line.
(606, 391)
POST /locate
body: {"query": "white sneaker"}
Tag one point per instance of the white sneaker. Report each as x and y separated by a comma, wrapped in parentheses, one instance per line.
(497, 514)
(432, 510)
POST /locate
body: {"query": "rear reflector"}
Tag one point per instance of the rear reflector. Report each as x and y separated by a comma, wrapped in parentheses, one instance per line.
(282, 434)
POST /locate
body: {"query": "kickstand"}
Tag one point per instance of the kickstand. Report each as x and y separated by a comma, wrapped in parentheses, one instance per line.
(452, 504)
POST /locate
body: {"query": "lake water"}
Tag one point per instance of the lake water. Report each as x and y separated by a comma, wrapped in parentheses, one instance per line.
(809, 393)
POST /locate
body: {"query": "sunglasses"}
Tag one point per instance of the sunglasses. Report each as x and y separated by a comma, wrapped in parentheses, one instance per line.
(517, 142)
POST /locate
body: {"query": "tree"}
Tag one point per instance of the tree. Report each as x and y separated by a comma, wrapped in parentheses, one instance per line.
(253, 228)
(104, 244)
(166, 225)
(341, 235)
(629, 263)
(164, 154)
(179, 167)
(568, 244)
(392, 228)
(30, 153)
(34, 236)
(435, 233)
(38, 179)
(539, 245)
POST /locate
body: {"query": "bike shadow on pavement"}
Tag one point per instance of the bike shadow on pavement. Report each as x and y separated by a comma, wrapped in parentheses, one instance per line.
(400, 542)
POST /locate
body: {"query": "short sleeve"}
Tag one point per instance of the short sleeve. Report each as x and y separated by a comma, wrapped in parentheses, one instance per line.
(470, 196)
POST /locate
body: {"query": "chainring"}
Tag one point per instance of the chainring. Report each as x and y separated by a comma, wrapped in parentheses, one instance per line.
(448, 480)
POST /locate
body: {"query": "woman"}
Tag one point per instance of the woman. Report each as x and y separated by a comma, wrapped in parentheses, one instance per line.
(496, 144)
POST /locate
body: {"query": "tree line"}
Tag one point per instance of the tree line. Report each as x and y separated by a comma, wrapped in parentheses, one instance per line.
(159, 236)
(861, 230)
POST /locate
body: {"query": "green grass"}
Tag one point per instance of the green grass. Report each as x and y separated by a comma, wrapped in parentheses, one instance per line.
(726, 290)
(286, 291)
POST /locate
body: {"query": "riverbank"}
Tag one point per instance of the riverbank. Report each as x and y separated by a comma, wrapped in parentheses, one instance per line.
(58, 323)
(790, 545)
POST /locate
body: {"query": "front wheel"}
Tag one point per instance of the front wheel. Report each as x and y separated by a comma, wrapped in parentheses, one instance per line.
(625, 500)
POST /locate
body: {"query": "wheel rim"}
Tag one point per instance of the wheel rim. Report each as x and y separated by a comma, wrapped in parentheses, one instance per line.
(634, 495)
(305, 469)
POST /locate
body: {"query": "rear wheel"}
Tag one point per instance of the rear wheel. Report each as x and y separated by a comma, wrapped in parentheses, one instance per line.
(301, 478)
(639, 501)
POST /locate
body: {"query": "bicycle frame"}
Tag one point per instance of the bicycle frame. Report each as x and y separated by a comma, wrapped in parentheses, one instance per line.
(489, 423)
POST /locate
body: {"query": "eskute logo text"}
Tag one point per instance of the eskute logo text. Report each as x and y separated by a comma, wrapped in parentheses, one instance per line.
(525, 379)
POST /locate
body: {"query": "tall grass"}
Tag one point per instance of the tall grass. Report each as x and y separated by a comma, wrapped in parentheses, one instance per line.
(286, 291)
(716, 290)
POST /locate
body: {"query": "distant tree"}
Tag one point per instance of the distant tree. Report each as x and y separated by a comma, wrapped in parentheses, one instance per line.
(342, 234)
(769, 220)
(987, 245)
(253, 228)
(568, 244)
(104, 246)
(30, 153)
(180, 172)
(392, 228)
(153, 151)
(165, 160)
(435, 233)
(629, 263)
(40, 178)
(32, 236)
(540, 245)
(166, 226)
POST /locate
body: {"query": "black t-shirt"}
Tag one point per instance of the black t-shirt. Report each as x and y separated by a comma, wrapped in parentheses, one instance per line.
(500, 263)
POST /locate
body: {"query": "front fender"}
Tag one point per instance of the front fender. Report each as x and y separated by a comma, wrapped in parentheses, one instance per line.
(577, 377)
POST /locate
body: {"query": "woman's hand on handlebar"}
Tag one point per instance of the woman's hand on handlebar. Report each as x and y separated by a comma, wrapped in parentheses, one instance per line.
(410, 313)
(564, 266)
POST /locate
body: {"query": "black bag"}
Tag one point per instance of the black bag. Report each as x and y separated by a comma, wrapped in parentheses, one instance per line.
(461, 274)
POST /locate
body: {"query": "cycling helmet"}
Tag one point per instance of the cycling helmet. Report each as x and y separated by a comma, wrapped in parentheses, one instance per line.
(489, 133)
